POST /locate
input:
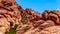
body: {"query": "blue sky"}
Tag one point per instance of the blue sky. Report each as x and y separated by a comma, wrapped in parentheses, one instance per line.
(39, 5)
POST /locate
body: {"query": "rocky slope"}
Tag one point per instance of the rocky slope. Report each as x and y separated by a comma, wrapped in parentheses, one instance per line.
(27, 21)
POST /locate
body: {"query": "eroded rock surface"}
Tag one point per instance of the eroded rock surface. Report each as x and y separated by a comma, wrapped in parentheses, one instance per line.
(51, 30)
(27, 21)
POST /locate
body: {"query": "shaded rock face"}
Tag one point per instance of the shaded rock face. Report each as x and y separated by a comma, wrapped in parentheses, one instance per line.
(52, 15)
(27, 21)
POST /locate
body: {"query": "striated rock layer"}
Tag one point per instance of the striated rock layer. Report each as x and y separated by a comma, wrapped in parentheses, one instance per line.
(9, 15)
(27, 21)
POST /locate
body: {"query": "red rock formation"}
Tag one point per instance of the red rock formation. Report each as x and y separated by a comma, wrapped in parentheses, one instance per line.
(27, 21)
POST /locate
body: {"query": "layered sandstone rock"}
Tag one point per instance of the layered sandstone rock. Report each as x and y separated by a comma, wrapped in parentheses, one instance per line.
(51, 30)
(27, 21)
(9, 15)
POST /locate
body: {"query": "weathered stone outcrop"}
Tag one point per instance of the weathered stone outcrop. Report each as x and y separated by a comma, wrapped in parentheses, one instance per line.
(27, 21)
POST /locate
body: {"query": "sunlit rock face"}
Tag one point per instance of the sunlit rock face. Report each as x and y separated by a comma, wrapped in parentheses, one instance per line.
(27, 21)
(51, 30)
